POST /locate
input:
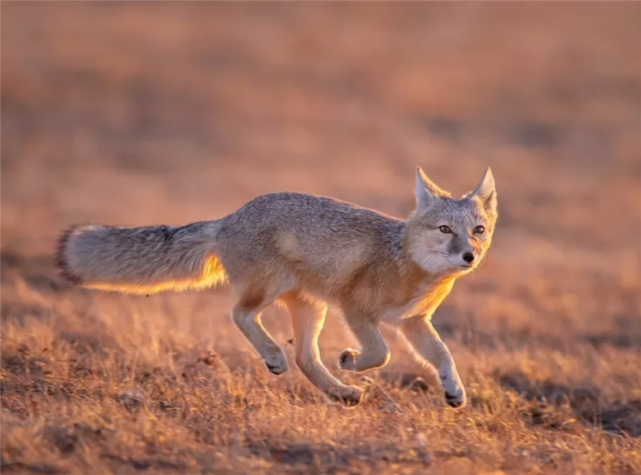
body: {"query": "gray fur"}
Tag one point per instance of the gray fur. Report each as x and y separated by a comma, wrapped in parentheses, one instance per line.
(97, 254)
(305, 250)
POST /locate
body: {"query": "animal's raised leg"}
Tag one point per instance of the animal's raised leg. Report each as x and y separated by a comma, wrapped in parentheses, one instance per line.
(373, 352)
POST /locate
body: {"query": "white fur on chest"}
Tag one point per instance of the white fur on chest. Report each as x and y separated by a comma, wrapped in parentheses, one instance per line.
(422, 302)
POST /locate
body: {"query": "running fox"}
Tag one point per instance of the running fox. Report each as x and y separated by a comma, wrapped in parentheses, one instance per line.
(303, 251)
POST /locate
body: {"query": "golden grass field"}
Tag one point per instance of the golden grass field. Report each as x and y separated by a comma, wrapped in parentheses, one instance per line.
(137, 113)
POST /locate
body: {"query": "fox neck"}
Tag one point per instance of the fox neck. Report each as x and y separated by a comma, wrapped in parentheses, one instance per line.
(418, 292)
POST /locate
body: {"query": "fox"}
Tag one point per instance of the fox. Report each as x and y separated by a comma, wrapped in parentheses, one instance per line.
(306, 252)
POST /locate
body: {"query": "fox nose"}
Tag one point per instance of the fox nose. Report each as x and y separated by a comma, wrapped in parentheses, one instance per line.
(468, 257)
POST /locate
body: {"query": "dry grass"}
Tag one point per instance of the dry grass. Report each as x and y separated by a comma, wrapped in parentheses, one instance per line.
(133, 113)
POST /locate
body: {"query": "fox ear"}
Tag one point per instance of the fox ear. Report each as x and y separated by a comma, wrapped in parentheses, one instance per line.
(486, 191)
(426, 190)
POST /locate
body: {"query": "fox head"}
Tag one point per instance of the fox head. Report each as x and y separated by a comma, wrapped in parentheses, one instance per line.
(447, 235)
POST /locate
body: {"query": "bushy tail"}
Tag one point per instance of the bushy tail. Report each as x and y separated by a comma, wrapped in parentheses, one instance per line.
(140, 260)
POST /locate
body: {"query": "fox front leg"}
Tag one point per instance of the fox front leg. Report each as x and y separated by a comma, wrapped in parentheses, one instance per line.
(373, 353)
(424, 339)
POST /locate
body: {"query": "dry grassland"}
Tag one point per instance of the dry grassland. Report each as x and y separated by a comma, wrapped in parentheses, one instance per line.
(134, 113)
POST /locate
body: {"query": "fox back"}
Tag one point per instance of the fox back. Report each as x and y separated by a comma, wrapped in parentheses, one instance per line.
(276, 242)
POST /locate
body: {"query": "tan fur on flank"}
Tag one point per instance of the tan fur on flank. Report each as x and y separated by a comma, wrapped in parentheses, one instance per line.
(305, 251)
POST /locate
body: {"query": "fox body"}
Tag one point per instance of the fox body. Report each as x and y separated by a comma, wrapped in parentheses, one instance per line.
(304, 251)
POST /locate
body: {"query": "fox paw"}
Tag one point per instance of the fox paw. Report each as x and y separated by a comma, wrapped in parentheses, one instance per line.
(452, 387)
(276, 364)
(349, 397)
(456, 401)
(455, 397)
(347, 359)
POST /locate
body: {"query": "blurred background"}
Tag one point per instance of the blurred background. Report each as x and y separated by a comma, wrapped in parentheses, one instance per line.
(133, 113)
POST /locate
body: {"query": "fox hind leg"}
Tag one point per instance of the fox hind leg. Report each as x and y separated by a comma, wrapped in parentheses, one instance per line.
(308, 317)
(246, 315)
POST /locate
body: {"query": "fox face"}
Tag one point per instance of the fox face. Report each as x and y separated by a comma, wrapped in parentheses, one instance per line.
(447, 235)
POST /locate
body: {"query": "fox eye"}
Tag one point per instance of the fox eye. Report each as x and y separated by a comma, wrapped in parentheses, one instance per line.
(445, 229)
(479, 230)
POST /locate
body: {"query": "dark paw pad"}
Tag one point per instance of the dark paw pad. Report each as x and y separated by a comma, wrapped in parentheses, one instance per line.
(347, 359)
(454, 401)
(275, 369)
(348, 400)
